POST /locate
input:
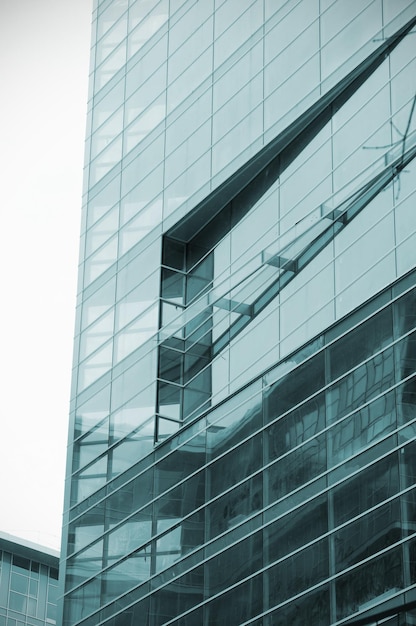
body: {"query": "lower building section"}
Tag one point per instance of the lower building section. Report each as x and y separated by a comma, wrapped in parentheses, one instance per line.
(28, 583)
(292, 502)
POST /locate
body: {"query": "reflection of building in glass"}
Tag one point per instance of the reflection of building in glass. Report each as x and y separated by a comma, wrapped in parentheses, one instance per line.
(28, 583)
(243, 414)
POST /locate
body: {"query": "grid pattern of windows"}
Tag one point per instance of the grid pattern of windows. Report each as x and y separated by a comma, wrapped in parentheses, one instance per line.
(28, 591)
(241, 440)
(121, 311)
(305, 478)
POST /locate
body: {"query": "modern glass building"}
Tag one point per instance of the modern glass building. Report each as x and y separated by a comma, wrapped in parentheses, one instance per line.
(28, 583)
(243, 417)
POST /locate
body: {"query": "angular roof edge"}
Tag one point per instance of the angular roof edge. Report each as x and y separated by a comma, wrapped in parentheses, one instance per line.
(29, 550)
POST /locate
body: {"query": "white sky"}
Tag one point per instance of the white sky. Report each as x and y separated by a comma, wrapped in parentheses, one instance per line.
(44, 60)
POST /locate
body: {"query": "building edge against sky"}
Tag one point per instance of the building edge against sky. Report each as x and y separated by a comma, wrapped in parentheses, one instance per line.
(28, 582)
(241, 445)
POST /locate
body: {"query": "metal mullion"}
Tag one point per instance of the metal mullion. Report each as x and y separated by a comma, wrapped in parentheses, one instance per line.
(296, 596)
(327, 489)
(326, 387)
(275, 420)
(401, 446)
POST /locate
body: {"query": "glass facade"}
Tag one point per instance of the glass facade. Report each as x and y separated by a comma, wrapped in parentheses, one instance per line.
(242, 443)
(28, 583)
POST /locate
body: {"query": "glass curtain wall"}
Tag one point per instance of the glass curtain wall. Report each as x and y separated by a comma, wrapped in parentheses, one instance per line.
(295, 496)
(249, 184)
(28, 589)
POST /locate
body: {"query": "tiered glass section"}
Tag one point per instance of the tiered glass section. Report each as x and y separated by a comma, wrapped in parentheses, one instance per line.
(293, 499)
(241, 444)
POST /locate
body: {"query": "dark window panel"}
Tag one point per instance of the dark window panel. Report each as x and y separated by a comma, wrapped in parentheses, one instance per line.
(294, 428)
(366, 426)
(360, 343)
(365, 490)
(238, 605)
(312, 608)
(173, 254)
(234, 564)
(173, 286)
(235, 466)
(361, 385)
(297, 468)
(235, 506)
(297, 528)
(295, 387)
(405, 313)
(295, 574)
(368, 535)
(365, 584)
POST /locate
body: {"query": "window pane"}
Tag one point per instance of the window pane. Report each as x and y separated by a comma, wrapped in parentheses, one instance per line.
(360, 343)
(364, 584)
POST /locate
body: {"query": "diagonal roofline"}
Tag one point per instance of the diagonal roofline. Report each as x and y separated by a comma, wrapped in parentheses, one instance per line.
(213, 217)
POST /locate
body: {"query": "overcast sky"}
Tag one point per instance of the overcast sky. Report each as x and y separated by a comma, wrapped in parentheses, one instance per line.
(44, 60)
